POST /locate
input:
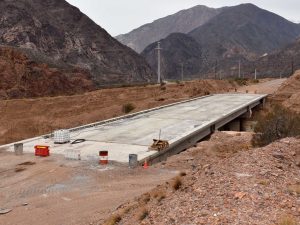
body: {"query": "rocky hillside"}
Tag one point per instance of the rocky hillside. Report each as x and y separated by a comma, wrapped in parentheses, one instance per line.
(183, 22)
(224, 181)
(283, 62)
(244, 32)
(21, 77)
(55, 32)
(289, 93)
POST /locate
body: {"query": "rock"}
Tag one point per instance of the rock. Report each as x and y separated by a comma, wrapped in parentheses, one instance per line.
(240, 195)
(278, 155)
(5, 211)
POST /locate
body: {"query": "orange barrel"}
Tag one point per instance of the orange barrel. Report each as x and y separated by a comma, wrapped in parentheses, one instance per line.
(41, 150)
(103, 157)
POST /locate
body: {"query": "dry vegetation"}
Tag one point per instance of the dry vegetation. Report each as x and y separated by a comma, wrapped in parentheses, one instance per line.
(278, 122)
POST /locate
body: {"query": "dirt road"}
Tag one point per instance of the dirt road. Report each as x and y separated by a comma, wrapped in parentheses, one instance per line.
(263, 87)
(53, 191)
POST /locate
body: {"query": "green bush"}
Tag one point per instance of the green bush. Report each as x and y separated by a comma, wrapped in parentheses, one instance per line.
(128, 107)
(276, 124)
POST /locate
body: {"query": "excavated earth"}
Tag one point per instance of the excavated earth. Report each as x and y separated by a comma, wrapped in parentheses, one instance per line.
(289, 93)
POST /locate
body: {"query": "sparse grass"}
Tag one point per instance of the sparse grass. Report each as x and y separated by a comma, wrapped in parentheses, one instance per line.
(28, 163)
(143, 214)
(287, 220)
(159, 195)
(294, 189)
(19, 169)
(177, 183)
(264, 182)
(128, 107)
(146, 198)
(114, 219)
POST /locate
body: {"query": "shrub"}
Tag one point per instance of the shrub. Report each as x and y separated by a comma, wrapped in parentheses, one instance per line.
(276, 124)
(182, 174)
(127, 108)
(143, 214)
(177, 183)
(113, 220)
(241, 81)
(163, 88)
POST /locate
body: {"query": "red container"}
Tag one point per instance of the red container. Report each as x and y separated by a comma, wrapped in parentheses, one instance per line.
(103, 157)
(42, 150)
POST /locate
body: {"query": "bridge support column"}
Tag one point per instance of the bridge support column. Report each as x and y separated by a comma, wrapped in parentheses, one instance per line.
(234, 125)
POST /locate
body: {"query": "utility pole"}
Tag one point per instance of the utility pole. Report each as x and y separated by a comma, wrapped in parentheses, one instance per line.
(239, 68)
(181, 71)
(292, 66)
(158, 63)
(216, 67)
(255, 76)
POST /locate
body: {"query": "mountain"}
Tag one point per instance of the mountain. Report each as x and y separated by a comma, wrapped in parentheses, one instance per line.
(178, 48)
(56, 33)
(182, 22)
(239, 33)
(247, 30)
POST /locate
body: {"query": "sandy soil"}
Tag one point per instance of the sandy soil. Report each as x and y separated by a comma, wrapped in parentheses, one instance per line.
(53, 191)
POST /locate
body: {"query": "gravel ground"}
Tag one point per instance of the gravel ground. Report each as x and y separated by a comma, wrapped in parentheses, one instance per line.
(225, 186)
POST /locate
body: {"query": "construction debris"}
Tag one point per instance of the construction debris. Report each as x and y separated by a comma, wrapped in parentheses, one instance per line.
(159, 145)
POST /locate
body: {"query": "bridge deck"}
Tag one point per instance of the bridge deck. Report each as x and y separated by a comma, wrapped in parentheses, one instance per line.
(133, 135)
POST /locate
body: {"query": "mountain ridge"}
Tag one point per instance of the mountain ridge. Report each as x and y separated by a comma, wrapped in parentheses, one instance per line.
(183, 21)
(239, 33)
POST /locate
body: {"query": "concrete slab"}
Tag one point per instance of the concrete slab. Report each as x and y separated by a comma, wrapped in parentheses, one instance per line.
(134, 135)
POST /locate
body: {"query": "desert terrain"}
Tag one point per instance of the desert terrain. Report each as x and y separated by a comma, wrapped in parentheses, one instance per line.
(57, 191)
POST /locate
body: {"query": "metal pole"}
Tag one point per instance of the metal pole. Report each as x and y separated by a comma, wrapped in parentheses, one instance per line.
(239, 68)
(255, 76)
(181, 71)
(158, 63)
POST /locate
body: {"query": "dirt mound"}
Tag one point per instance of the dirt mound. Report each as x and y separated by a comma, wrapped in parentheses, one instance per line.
(27, 118)
(289, 93)
(22, 77)
(257, 186)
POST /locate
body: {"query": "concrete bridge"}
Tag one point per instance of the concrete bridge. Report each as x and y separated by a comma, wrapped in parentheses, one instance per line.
(183, 124)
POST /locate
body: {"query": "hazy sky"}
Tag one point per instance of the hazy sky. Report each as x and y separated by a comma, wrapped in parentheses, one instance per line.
(121, 16)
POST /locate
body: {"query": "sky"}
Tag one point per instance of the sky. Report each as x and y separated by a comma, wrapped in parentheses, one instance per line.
(122, 16)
